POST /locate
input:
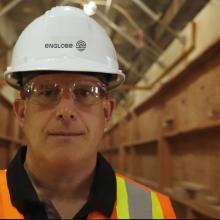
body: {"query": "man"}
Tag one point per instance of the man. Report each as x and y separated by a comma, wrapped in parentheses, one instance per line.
(65, 66)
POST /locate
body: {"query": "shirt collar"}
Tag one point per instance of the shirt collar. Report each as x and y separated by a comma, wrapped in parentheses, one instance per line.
(102, 195)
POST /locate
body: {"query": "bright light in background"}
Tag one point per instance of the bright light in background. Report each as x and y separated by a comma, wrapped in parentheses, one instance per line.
(90, 8)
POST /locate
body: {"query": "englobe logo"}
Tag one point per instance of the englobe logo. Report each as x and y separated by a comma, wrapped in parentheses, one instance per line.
(80, 45)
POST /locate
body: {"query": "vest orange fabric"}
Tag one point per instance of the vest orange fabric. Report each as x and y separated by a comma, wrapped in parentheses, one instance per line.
(160, 205)
(7, 210)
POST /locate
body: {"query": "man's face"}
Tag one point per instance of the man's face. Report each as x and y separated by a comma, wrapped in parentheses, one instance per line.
(65, 130)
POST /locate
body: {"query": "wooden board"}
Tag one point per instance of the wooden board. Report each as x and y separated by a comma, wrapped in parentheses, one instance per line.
(147, 162)
(4, 116)
(196, 159)
(149, 124)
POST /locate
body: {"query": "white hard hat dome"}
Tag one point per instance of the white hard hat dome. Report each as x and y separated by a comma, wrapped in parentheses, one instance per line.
(64, 39)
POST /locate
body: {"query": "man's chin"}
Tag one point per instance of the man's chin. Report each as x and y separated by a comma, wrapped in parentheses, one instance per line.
(64, 160)
(66, 154)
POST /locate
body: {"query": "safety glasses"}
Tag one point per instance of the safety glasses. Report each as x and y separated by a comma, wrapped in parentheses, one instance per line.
(49, 93)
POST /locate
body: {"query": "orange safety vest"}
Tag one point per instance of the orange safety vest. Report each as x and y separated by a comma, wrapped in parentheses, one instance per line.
(134, 201)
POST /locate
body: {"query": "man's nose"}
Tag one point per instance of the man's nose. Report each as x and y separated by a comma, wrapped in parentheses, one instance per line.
(66, 109)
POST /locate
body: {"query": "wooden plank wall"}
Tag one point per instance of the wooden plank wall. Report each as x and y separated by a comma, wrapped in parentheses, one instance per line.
(172, 140)
(11, 136)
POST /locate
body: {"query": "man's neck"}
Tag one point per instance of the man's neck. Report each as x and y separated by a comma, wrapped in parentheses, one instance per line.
(68, 192)
(52, 184)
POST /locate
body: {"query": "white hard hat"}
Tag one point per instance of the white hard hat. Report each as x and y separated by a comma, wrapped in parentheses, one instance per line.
(64, 39)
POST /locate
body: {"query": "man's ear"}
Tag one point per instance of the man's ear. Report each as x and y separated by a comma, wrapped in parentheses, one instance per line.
(19, 110)
(109, 106)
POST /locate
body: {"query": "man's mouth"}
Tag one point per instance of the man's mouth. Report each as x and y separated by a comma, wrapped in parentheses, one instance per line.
(65, 134)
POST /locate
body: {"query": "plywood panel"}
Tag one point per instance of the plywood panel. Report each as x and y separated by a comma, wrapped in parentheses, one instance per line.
(165, 163)
(149, 124)
(128, 161)
(170, 113)
(203, 97)
(115, 136)
(196, 159)
(111, 138)
(3, 60)
(4, 116)
(128, 130)
(147, 162)
(120, 134)
(105, 144)
(195, 101)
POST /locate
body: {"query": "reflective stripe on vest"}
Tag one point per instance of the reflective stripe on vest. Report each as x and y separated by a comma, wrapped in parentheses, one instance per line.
(134, 201)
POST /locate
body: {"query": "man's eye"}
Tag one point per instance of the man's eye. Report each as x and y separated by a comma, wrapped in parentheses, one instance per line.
(47, 92)
(83, 92)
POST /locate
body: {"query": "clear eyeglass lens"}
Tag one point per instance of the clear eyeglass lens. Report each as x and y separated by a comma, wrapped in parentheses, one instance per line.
(50, 93)
(87, 94)
(45, 93)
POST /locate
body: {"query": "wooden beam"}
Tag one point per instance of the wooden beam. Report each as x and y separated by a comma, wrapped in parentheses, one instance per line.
(168, 16)
(165, 164)
(7, 31)
(132, 87)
